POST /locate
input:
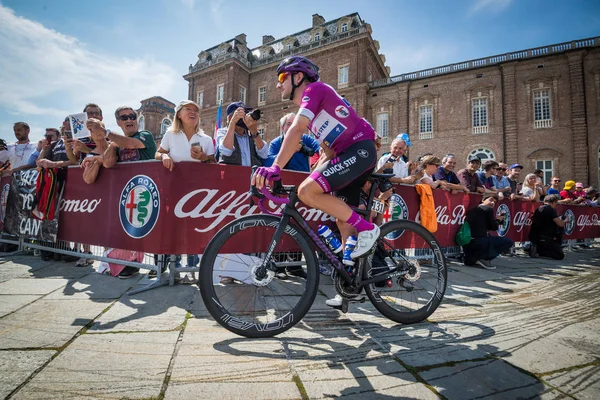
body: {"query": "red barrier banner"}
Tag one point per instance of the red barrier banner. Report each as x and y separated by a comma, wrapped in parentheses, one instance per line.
(145, 207)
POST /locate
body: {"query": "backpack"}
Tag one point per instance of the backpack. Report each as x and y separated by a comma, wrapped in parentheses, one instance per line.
(463, 237)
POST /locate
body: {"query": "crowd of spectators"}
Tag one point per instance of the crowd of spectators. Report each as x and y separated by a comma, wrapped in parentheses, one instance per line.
(240, 143)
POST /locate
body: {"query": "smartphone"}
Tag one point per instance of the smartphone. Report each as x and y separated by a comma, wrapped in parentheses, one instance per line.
(196, 144)
(392, 158)
(68, 134)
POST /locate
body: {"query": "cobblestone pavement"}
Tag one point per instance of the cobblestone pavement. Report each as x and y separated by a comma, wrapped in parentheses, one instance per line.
(529, 329)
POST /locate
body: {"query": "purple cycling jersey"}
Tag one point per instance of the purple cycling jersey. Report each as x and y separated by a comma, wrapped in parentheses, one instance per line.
(332, 120)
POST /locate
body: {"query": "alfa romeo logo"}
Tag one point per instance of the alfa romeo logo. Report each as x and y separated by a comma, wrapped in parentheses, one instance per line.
(569, 222)
(398, 210)
(139, 206)
(503, 226)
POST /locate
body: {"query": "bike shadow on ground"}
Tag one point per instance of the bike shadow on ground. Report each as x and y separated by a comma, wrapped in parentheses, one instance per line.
(365, 355)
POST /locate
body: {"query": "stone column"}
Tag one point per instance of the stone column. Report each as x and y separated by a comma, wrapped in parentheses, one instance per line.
(578, 117)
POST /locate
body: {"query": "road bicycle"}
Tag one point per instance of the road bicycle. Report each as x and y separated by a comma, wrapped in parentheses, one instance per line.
(244, 289)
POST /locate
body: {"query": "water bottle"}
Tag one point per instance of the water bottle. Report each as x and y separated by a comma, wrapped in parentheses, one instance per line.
(348, 249)
(332, 241)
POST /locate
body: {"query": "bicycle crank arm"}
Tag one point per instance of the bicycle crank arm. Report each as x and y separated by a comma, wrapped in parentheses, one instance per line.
(382, 277)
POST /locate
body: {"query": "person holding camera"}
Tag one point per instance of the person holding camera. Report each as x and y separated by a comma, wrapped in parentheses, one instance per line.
(546, 230)
(402, 170)
(307, 147)
(240, 143)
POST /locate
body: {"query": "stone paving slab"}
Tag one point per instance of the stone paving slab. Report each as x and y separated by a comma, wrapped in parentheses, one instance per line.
(31, 286)
(581, 383)
(474, 380)
(47, 323)
(104, 366)
(158, 309)
(12, 302)
(17, 366)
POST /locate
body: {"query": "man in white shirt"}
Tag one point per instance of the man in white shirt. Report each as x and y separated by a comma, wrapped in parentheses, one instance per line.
(395, 162)
(18, 153)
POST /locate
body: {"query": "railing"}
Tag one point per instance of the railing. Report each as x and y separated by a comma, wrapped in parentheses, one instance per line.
(281, 55)
(478, 130)
(426, 135)
(487, 61)
(543, 123)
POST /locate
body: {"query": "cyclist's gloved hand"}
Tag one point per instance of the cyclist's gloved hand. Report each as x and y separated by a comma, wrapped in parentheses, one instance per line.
(270, 174)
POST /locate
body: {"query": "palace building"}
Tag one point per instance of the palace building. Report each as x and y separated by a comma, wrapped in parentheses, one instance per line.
(539, 107)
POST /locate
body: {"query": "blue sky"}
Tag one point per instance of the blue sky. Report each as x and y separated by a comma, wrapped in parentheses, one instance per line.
(58, 55)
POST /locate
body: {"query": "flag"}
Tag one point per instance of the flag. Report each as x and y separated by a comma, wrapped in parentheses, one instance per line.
(219, 117)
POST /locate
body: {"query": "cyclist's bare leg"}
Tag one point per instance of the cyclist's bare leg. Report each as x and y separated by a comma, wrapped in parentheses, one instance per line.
(311, 194)
(345, 230)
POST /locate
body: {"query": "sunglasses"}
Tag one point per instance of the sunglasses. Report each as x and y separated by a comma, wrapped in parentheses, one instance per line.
(282, 76)
(126, 117)
(556, 180)
(501, 169)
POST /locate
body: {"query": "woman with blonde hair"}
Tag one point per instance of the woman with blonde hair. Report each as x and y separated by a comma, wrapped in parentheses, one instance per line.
(530, 190)
(184, 140)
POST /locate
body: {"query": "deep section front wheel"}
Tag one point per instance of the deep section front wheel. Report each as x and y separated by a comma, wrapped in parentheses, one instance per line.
(242, 299)
(416, 266)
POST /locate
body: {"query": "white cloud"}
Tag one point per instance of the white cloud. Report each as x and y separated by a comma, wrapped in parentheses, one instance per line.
(494, 6)
(45, 75)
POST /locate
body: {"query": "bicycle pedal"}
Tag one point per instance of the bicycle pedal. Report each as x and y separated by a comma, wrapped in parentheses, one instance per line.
(344, 307)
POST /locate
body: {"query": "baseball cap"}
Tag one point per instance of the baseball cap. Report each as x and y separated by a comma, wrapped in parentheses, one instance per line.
(184, 103)
(234, 106)
(513, 166)
(579, 185)
(569, 185)
(474, 159)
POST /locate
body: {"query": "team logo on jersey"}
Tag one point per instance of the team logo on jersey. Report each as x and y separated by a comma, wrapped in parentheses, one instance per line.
(342, 112)
(505, 224)
(346, 102)
(3, 201)
(363, 153)
(327, 128)
(305, 99)
(139, 206)
(397, 210)
(569, 222)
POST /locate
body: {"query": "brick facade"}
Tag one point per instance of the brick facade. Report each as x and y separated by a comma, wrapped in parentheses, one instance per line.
(567, 74)
(152, 113)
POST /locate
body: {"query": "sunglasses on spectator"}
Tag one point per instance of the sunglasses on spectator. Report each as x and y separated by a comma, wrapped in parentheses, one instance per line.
(282, 77)
(556, 180)
(126, 117)
(501, 169)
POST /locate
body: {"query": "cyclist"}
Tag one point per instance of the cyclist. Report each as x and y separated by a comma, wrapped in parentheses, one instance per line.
(348, 149)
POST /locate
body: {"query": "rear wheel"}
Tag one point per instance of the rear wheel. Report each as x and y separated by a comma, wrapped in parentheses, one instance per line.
(240, 301)
(417, 292)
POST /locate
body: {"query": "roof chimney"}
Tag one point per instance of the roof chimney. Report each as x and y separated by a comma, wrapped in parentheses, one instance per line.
(318, 20)
(267, 39)
(241, 38)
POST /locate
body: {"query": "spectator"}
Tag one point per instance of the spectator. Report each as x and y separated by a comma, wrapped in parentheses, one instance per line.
(579, 190)
(567, 195)
(554, 186)
(306, 148)
(430, 165)
(501, 182)
(86, 147)
(16, 155)
(446, 174)
(483, 248)
(185, 141)
(395, 162)
(514, 172)
(485, 176)
(468, 176)
(240, 143)
(546, 230)
(134, 145)
(592, 196)
(530, 189)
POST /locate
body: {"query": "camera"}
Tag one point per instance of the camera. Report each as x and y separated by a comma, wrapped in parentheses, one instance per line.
(255, 114)
(307, 151)
(392, 158)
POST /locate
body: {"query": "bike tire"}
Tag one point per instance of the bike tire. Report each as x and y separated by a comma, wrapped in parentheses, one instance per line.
(243, 307)
(397, 303)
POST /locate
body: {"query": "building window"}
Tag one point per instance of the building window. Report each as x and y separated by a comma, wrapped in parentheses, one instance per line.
(288, 47)
(541, 109)
(383, 127)
(480, 116)
(343, 76)
(220, 93)
(483, 154)
(164, 125)
(200, 99)
(243, 94)
(262, 95)
(261, 132)
(547, 166)
(426, 122)
(369, 75)
(141, 123)
(344, 27)
(317, 37)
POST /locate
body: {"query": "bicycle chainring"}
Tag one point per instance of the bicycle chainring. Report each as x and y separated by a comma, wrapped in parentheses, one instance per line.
(344, 289)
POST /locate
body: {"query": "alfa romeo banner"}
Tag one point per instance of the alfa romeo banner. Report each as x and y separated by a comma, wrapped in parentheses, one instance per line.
(145, 207)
